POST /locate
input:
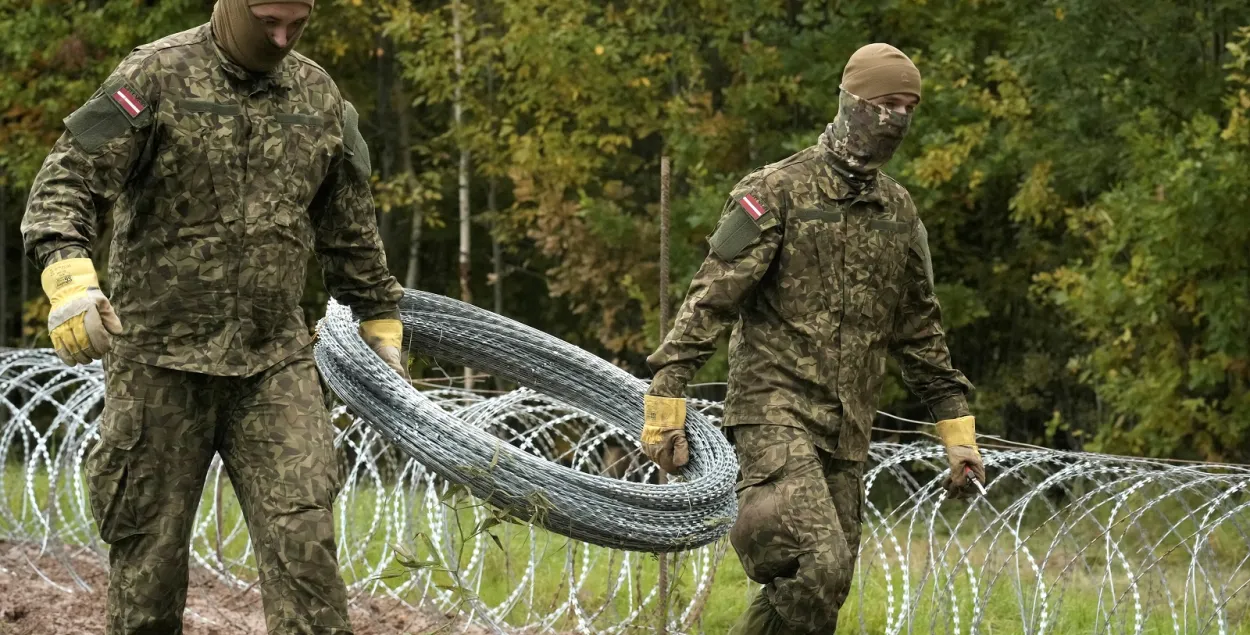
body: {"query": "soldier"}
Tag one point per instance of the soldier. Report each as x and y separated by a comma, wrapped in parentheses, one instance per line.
(226, 158)
(821, 264)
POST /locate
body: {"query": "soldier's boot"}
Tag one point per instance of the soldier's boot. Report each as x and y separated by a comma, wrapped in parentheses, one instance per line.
(280, 455)
(145, 476)
(789, 535)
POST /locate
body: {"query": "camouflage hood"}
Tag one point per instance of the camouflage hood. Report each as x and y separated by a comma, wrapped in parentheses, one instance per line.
(862, 138)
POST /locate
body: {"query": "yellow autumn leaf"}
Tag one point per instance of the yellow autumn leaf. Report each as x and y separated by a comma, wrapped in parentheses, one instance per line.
(599, 49)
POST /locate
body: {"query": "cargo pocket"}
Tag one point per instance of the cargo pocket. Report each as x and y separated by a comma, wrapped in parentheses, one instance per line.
(110, 469)
(762, 536)
(804, 284)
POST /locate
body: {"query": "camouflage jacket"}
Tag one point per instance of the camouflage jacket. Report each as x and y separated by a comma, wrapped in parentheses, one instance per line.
(819, 284)
(221, 183)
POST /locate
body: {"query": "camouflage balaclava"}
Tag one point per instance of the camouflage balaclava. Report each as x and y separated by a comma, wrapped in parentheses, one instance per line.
(864, 136)
(244, 37)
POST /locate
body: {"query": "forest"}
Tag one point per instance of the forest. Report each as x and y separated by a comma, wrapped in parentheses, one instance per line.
(1081, 166)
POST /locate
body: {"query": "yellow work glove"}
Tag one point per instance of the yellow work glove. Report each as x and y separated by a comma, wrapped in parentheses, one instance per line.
(386, 337)
(664, 432)
(960, 438)
(81, 321)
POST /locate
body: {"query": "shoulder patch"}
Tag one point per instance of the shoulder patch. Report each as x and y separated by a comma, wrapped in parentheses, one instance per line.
(354, 142)
(753, 207)
(743, 220)
(920, 243)
(130, 103)
(113, 111)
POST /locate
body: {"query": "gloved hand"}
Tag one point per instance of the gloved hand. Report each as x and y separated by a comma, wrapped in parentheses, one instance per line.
(664, 432)
(386, 337)
(960, 438)
(81, 321)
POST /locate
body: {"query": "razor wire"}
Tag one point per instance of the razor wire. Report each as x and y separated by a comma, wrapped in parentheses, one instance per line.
(696, 510)
(1062, 542)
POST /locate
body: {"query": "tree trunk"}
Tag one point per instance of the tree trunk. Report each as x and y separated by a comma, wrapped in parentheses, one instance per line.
(751, 141)
(412, 275)
(665, 224)
(382, 119)
(496, 249)
(4, 275)
(466, 293)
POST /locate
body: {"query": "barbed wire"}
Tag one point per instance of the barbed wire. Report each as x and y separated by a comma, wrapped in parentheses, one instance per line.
(1062, 542)
(697, 508)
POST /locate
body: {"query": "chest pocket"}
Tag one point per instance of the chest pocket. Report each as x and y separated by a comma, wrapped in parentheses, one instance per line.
(306, 143)
(806, 276)
(199, 161)
(876, 251)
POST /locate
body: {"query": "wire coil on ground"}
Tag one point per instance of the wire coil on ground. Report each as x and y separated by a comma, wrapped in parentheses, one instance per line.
(696, 510)
(1063, 542)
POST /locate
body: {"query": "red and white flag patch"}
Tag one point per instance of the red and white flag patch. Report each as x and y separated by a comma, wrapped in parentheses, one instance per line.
(128, 102)
(752, 206)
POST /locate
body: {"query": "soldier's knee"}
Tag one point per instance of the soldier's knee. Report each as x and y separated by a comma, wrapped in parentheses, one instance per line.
(762, 539)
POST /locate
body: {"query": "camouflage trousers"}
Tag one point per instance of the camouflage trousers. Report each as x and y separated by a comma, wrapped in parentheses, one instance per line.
(798, 528)
(158, 434)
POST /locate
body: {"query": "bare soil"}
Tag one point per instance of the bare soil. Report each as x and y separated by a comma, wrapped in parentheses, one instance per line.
(31, 604)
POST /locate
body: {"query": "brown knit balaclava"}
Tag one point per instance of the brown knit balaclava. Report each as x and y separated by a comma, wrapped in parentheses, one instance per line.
(243, 35)
(864, 136)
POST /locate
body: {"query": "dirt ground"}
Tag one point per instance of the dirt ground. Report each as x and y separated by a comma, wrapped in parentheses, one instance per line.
(31, 605)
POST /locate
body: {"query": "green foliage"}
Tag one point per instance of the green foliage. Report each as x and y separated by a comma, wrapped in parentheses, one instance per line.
(1163, 293)
(1079, 166)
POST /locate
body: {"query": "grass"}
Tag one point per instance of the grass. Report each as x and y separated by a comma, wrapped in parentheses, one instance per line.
(1074, 594)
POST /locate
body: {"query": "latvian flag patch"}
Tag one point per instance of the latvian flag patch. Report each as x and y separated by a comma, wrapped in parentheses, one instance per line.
(128, 102)
(752, 206)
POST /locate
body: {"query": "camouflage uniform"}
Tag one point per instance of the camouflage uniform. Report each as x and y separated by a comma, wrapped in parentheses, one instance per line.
(221, 182)
(820, 273)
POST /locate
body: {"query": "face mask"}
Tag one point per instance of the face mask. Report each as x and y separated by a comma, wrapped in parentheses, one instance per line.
(864, 136)
(245, 39)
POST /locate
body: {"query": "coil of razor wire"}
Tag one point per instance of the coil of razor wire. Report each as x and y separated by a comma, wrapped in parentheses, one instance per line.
(695, 510)
(1063, 542)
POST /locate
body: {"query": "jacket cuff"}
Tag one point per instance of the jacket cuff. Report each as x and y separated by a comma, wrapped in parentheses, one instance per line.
(64, 253)
(669, 381)
(392, 314)
(950, 408)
